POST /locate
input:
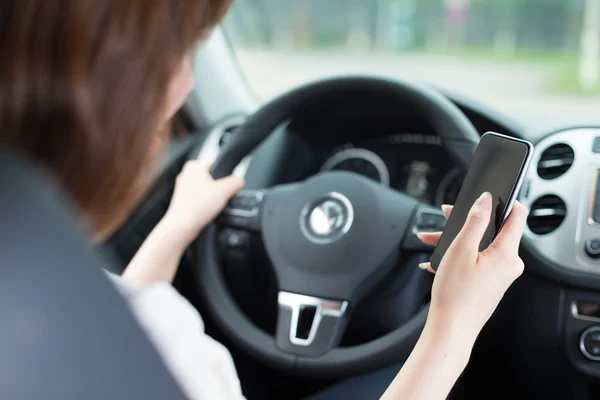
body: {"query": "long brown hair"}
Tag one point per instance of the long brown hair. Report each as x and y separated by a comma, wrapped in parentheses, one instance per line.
(83, 85)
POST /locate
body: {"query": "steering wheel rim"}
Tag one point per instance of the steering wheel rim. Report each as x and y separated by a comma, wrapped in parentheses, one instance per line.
(459, 138)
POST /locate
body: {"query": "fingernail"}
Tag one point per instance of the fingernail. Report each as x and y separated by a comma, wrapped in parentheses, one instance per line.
(484, 197)
(424, 265)
(420, 235)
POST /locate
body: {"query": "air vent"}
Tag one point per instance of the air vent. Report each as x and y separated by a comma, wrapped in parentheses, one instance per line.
(555, 161)
(547, 213)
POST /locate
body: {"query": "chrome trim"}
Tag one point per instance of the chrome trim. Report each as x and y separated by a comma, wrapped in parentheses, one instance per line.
(246, 213)
(324, 308)
(209, 150)
(593, 200)
(308, 208)
(575, 314)
(565, 246)
(582, 340)
(241, 213)
(552, 163)
(546, 212)
(368, 155)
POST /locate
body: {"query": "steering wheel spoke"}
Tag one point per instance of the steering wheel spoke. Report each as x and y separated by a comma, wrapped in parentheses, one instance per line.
(425, 219)
(309, 326)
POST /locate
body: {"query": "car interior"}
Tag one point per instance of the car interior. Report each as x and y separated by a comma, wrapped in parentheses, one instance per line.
(298, 310)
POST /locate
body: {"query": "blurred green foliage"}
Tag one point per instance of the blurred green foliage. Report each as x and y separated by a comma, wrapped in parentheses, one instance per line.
(551, 25)
(541, 32)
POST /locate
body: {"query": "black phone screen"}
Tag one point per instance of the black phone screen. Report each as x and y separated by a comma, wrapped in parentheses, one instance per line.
(498, 165)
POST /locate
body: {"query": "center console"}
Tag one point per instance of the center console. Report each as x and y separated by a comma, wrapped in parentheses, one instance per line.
(582, 331)
(562, 191)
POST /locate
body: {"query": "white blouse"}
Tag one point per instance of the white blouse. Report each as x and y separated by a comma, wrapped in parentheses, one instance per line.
(202, 366)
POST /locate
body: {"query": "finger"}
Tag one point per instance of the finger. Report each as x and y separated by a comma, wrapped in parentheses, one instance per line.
(196, 165)
(476, 224)
(447, 209)
(510, 235)
(204, 166)
(427, 267)
(230, 185)
(430, 238)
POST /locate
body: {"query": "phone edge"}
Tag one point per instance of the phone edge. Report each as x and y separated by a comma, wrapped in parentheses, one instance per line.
(522, 173)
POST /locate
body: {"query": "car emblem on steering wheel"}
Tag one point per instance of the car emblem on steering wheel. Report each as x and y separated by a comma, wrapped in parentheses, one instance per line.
(327, 219)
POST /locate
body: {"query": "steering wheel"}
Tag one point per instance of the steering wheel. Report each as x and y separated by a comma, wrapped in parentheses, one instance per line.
(331, 239)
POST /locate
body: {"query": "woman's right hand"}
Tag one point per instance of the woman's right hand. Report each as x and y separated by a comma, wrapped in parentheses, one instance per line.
(469, 284)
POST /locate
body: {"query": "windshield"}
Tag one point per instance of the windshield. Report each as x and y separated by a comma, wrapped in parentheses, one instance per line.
(528, 58)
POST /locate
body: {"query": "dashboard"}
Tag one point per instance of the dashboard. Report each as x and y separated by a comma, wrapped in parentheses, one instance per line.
(413, 163)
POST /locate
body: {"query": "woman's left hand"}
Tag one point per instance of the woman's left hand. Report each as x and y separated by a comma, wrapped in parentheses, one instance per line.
(198, 199)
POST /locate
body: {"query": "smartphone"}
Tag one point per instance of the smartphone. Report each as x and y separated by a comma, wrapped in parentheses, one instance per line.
(499, 166)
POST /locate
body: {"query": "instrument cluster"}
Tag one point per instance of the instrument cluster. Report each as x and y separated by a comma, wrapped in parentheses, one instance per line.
(415, 164)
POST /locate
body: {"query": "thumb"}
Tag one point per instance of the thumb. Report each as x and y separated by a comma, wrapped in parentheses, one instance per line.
(476, 224)
(230, 185)
(509, 237)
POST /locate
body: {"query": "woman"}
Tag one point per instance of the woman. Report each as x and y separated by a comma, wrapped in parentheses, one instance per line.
(87, 88)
